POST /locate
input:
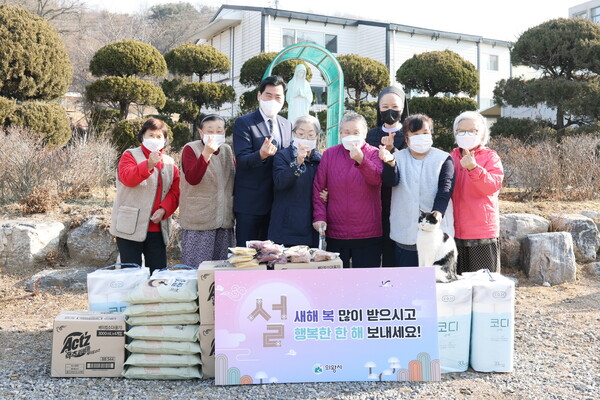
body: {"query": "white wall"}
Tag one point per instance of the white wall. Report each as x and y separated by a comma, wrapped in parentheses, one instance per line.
(488, 78)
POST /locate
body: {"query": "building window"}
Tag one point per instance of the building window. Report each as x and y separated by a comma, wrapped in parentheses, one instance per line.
(331, 43)
(289, 37)
(582, 15)
(292, 36)
(596, 15)
(493, 62)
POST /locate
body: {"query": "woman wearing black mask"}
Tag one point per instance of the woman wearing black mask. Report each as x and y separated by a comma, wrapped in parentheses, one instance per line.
(392, 110)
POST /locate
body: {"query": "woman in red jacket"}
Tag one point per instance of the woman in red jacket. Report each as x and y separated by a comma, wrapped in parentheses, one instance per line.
(478, 175)
(147, 196)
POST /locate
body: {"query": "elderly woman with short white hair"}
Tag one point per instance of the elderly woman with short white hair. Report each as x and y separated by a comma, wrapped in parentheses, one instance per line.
(294, 169)
(478, 175)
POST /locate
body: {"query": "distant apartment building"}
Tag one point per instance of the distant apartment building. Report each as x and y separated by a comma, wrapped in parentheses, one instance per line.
(242, 32)
(589, 10)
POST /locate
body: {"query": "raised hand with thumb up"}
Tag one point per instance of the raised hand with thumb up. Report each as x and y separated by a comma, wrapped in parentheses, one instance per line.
(268, 148)
(468, 160)
(388, 141)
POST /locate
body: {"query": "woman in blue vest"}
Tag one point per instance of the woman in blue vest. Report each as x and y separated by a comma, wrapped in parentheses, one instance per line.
(294, 169)
(422, 179)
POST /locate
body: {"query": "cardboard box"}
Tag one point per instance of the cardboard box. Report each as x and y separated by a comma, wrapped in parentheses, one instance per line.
(206, 286)
(330, 264)
(88, 344)
(207, 349)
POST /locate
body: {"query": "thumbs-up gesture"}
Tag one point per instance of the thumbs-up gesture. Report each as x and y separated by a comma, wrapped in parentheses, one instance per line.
(267, 149)
(468, 160)
(153, 159)
(302, 153)
(356, 153)
(385, 155)
(388, 141)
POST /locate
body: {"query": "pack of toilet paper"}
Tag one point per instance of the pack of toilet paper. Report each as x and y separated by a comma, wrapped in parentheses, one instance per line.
(454, 324)
(492, 322)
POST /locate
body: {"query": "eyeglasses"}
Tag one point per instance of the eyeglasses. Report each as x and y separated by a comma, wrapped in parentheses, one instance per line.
(467, 133)
(309, 134)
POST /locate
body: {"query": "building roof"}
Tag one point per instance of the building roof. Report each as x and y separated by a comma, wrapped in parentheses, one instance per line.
(215, 26)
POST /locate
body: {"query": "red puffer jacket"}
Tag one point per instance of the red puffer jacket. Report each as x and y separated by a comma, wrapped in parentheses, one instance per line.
(475, 197)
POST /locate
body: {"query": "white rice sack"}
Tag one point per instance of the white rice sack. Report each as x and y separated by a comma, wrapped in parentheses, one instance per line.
(175, 333)
(176, 319)
(163, 360)
(144, 310)
(454, 324)
(492, 323)
(162, 373)
(174, 290)
(163, 347)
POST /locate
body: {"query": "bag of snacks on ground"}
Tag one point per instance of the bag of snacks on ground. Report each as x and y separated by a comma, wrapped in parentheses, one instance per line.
(175, 333)
(173, 290)
(163, 360)
(108, 287)
(162, 373)
(144, 310)
(242, 251)
(163, 347)
(175, 319)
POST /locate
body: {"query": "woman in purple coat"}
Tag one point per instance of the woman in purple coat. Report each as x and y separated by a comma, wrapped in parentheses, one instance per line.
(351, 216)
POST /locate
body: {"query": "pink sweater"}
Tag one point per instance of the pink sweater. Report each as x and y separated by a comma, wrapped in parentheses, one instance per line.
(475, 197)
(353, 209)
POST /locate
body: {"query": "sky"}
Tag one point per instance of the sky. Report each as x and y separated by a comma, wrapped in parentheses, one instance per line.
(499, 19)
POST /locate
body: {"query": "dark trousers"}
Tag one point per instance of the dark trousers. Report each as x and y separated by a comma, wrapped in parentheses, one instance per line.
(388, 258)
(250, 227)
(362, 257)
(406, 258)
(153, 248)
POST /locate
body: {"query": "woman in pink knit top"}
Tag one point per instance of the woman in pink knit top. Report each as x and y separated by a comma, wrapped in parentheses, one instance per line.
(478, 180)
(351, 216)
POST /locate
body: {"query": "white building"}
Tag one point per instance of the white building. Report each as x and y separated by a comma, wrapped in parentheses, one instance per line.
(242, 32)
(589, 10)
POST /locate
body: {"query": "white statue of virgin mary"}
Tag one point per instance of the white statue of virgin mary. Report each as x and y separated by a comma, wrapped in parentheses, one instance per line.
(298, 95)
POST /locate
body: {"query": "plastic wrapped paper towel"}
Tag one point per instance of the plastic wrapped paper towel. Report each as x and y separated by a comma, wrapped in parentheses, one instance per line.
(492, 323)
(454, 324)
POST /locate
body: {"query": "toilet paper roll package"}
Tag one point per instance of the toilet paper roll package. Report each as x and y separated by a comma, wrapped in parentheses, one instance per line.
(454, 324)
(492, 322)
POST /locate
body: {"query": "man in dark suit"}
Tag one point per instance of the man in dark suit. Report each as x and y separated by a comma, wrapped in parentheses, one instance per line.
(256, 138)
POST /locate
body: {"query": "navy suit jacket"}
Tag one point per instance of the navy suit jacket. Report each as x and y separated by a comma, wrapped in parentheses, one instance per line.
(253, 188)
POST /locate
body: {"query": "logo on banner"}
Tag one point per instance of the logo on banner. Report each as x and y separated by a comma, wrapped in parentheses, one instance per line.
(318, 369)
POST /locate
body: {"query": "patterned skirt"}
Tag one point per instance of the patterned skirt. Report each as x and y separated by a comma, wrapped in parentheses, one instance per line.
(476, 254)
(198, 246)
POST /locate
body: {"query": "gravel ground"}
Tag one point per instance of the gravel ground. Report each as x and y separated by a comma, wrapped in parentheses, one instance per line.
(557, 351)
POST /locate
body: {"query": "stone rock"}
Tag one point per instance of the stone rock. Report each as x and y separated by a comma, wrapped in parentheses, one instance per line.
(549, 257)
(513, 229)
(72, 279)
(586, 238)
(23, 243)
(594, 268)
(91, 244)
(594, 215)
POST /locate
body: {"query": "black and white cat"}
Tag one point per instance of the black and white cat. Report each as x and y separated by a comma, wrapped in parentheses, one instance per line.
(436, 248)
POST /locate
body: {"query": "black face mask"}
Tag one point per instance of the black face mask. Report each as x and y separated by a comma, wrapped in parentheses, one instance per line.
(390, 116)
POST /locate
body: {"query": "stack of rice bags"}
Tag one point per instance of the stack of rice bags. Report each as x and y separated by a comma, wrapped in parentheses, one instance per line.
(164, 327)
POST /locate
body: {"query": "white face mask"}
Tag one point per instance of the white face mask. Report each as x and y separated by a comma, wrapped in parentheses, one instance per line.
(420, 143)
(310, 143)
(349, 141)
(467, 141)
(271, 107)
(153, 144)
(219, 139)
